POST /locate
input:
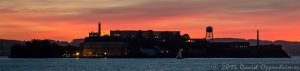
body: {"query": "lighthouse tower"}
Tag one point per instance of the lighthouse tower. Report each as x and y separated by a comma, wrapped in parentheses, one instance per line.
(99, 29)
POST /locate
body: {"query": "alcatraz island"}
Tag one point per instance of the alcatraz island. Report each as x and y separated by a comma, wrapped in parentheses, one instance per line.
(147, 44)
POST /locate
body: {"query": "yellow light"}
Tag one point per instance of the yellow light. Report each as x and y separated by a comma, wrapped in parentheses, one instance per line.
(104, 53)
(189, 41)
(77, 53)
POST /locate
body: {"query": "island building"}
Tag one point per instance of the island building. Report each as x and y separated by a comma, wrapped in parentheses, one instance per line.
(149, 43)
(97, 46)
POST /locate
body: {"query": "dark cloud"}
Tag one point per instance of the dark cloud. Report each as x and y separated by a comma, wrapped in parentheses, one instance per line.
(166, 8)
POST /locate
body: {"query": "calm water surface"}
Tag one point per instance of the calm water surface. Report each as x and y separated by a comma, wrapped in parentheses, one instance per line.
(152, 64)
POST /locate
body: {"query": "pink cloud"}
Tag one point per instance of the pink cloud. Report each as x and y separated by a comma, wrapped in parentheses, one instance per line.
(230, 18)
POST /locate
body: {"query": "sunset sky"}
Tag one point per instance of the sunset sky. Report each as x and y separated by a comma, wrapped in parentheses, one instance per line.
(70, 19)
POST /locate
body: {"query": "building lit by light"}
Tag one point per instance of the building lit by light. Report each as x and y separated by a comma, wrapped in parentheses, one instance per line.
(100, 49)
(96, 45)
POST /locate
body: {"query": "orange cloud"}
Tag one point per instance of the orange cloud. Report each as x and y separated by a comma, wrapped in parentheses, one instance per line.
(67, 20)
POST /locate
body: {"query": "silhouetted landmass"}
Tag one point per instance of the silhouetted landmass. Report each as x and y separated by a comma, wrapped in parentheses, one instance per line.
(5, 46)
(41, 49)
(148, 44)
(77, 42)
(133, 44)
(167, 44)
(292, 48)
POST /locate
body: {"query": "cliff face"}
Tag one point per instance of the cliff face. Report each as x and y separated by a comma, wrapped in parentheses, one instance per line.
(290, 47)
(237, 53)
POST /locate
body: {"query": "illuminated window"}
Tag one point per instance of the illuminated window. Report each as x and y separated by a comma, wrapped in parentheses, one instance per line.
(116, 34)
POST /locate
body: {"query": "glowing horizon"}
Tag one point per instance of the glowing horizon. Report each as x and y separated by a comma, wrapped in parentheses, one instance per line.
(67, 20)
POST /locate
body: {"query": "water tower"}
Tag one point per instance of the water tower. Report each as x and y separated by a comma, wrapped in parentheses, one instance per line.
(209, 33)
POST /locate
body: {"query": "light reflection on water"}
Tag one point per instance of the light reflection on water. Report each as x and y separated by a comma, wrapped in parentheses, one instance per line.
(149, 64)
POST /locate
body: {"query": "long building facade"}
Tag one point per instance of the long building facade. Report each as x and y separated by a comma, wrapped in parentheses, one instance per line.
(149, 43)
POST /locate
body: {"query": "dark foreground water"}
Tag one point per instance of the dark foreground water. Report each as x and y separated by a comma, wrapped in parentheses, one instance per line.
(156, 64)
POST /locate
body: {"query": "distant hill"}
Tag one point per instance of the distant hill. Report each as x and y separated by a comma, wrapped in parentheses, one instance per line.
(293, 48)
(5, 46)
